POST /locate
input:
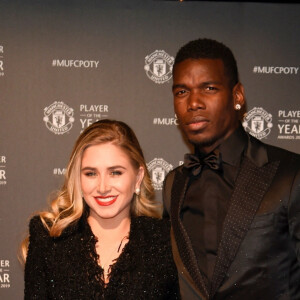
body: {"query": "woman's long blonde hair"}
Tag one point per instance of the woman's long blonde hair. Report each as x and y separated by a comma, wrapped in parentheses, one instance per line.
(68, 206)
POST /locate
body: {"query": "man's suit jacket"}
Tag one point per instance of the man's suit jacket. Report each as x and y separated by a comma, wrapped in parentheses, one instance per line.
(259, 252)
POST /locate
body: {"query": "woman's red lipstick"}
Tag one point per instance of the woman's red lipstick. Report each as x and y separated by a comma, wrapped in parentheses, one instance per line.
(106, 201)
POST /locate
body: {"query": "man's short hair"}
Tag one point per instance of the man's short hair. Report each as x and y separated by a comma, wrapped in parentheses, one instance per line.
(212, 49)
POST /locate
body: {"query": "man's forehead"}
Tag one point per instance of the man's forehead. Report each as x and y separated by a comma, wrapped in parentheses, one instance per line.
(198, 67)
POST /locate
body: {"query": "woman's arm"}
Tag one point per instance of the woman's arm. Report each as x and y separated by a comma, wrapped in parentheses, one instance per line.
(35, 266)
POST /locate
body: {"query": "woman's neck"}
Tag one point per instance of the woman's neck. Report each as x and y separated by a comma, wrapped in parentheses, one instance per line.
(109, 229)
(112, 236)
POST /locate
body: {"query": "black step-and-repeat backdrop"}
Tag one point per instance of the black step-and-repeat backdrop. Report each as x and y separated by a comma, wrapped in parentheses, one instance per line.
(66, 64)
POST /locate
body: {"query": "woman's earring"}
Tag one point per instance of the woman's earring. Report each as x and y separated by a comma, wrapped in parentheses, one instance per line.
(137, 191)
(238, 106)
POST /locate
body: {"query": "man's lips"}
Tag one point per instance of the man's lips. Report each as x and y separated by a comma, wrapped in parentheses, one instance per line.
(106, 201)
(197, 123)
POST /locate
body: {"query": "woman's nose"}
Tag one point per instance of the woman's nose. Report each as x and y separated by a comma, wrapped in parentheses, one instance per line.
(103, 185)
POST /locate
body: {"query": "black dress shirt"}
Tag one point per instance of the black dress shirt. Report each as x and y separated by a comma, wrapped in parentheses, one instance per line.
(207, 200)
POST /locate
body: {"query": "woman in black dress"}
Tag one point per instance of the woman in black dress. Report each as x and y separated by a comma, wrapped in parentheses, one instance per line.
(102, 237)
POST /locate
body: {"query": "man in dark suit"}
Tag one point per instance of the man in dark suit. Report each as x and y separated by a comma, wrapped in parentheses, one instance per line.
(235, 203)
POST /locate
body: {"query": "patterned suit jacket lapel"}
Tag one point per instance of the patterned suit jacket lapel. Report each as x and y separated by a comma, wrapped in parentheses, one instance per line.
(183, 242)
(253, 181)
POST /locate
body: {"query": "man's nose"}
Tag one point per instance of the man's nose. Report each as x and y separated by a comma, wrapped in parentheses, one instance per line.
(195, 101)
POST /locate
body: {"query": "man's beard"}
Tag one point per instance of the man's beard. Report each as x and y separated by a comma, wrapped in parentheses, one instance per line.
(206, 142)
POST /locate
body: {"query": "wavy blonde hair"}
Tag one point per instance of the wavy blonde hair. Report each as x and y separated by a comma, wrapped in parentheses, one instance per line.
(68, 206)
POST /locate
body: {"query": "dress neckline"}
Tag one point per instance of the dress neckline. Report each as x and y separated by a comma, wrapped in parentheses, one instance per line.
(115, 266)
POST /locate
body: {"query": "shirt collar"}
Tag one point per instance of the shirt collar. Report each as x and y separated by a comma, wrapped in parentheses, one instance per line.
(232, 148)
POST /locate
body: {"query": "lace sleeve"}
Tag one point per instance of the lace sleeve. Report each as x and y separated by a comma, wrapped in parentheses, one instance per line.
(35, 279)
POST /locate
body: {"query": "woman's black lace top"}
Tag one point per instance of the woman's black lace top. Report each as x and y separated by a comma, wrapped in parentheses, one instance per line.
(66, 267)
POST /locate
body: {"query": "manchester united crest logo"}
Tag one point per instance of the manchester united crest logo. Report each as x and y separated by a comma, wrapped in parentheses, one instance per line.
(58, 117)
(258, 122)
(158, 66)
(158, 169)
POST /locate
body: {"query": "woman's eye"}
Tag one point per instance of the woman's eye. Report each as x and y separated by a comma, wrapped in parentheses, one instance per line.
(116, 173)
(90, 174)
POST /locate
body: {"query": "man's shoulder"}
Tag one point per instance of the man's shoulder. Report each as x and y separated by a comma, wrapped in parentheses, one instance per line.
(277, 153)
(174, 171)
(167, 188)
(170, 176)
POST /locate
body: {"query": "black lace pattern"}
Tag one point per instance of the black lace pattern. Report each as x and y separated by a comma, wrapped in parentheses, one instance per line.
(67, 267)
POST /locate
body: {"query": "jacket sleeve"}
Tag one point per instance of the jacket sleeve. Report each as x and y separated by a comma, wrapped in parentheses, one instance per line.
(35, 273)
(294, 213)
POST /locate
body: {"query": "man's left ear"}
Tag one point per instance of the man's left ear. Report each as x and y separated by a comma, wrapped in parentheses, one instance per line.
(238, 96)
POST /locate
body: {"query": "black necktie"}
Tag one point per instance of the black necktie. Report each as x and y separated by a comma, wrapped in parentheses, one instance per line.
(195, 164)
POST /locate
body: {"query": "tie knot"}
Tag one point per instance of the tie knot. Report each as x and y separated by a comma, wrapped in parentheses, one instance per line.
(195, 163)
